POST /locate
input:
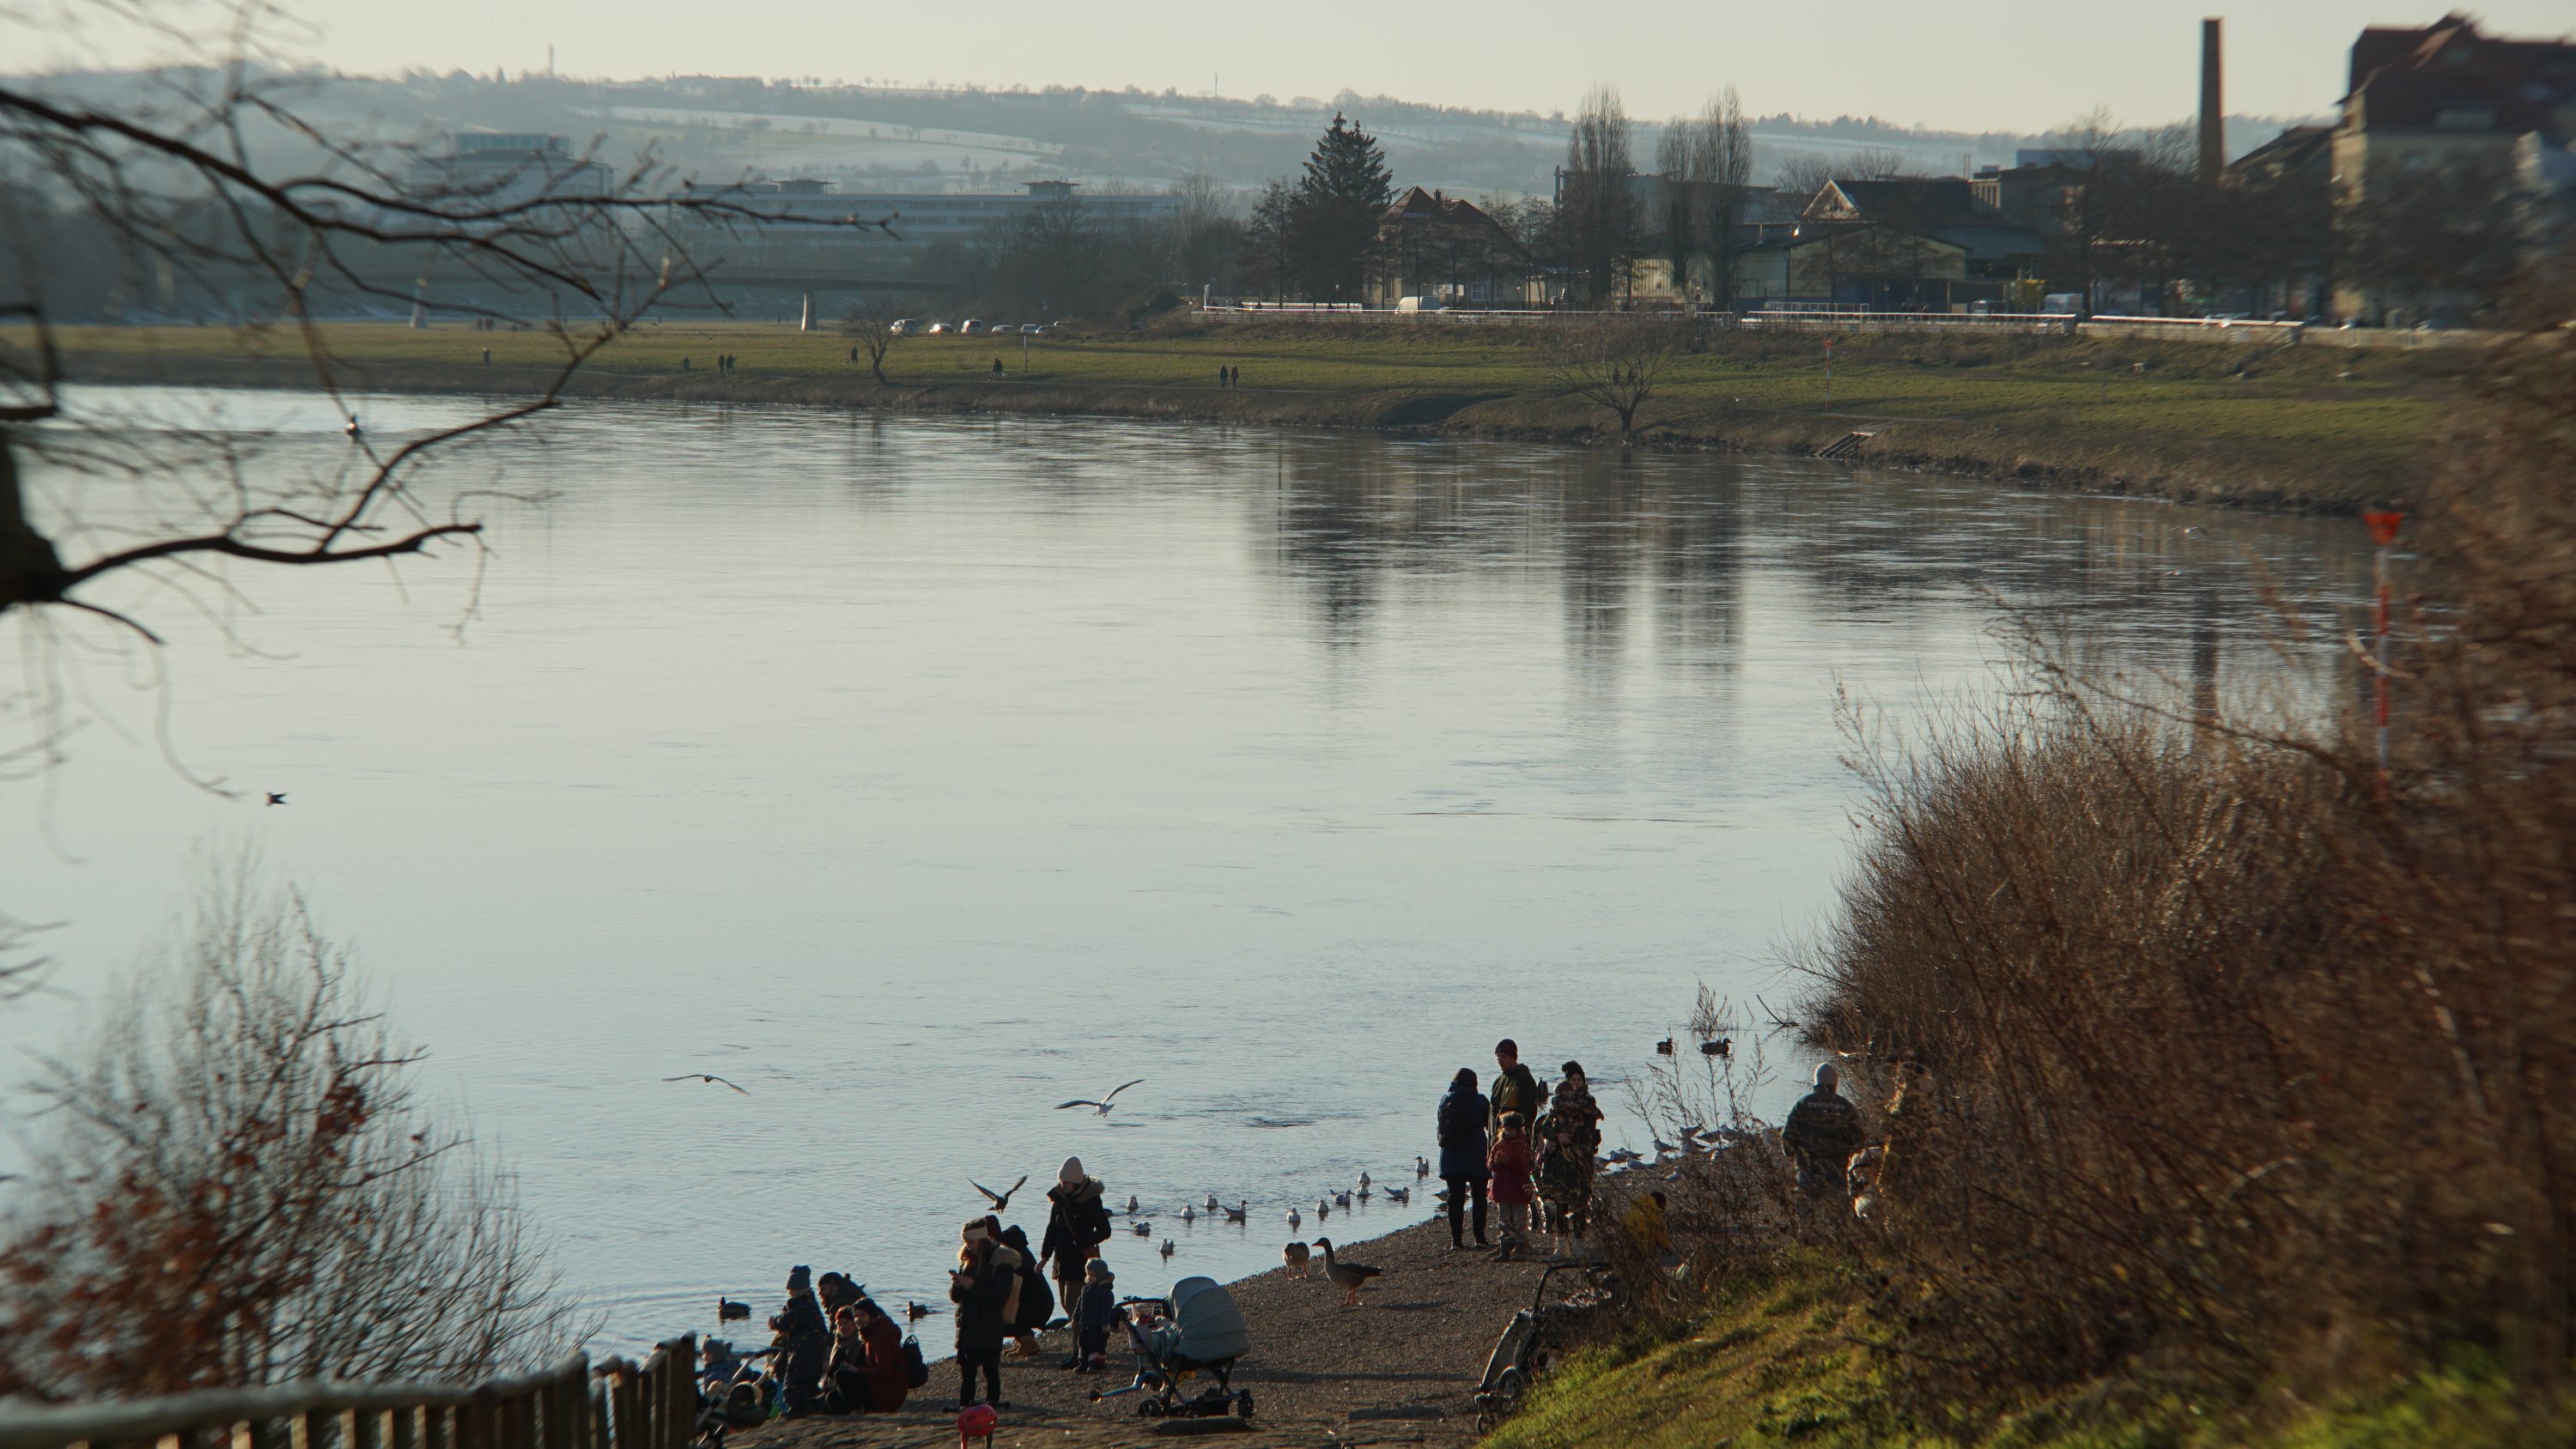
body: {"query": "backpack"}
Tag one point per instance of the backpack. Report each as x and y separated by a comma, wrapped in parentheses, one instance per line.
(916, 1369)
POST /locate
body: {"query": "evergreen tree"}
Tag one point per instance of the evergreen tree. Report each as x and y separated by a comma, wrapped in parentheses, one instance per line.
(1338, 201)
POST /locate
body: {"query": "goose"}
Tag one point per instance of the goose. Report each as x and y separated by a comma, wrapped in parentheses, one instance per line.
(1101, 1107)
(1189, 1214)
(1341, 1199)
(1296, 1256)
(1294, 1221)
(1399, 1195)
(1238, 1212)
(727, 1310)
(1167, 1250)
(1349, 1277)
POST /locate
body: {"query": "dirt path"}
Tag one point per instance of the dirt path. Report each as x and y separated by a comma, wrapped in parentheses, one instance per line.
(1398, 1371)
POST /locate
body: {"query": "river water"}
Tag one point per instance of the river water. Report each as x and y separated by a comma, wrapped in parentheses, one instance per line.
(918, 774)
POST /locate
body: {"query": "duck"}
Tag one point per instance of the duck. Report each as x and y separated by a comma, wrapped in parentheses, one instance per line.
(1349, 1277)
(1296, 1256)
(1294, 1220)
(914, 1311)
(1664, 1048)
(1167, 1250)
(1141, 1229)
(727, 1310)
(1238, 1212)
(1189, 1214)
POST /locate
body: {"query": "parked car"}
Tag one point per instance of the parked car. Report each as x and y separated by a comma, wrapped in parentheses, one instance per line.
(936, 328)
(969, 327)
(997, 328)
(1033, 329)
(904, 326)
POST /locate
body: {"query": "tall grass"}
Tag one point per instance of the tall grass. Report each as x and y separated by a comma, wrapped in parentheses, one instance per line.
(2228, 1062)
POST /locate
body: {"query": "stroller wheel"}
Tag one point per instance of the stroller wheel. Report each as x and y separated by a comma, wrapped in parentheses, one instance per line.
(1243, 1403)
(1151, 1408)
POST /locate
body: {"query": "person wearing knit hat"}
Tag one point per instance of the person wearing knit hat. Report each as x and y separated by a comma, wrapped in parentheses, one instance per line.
(804, 1342)
(1093, 1317)
(982, 1288)
(1077, 1224)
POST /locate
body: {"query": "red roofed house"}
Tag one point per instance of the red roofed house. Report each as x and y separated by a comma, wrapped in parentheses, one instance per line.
(1448, 253)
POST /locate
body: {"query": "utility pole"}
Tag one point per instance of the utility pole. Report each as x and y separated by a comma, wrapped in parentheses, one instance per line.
(2383, 525)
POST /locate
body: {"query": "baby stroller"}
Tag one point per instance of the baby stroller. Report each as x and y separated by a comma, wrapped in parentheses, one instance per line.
(1197, 1329)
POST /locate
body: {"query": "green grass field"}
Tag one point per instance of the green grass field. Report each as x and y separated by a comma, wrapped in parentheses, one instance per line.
(2301, 426)
(1781, 1361)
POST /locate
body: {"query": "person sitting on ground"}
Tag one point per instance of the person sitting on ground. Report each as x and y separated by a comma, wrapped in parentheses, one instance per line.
(1822, 1133)
(1648, 1231)
(1461, 1123)
(1094, 1315)
(982, 1285)
(1035, 1303)
(845, 1380)
(1077, 1224)
(1512, 1168)
(835, 1292)
(718, 1367)
(804, 1342)
(867, 1375)
(1515, 1089)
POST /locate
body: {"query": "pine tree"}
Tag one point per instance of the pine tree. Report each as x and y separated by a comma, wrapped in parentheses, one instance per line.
(1339, 200)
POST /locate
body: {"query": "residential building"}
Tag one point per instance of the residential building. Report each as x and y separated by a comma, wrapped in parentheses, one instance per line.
(1448, 252)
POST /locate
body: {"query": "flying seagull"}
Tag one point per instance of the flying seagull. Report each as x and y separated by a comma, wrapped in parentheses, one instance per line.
(703, 1077)
(1100, 1107)
(276, 797)
(1001, 1201)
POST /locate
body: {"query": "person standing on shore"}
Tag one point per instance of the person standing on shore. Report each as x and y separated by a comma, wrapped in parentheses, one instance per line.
(1512, 1168)
(1094, 1314)
(1515, 1089)
(1822, 1133)
(1462, 1154)
(980, 1286)
(1077, 1224)
(1570, 1138)
(804, 1343)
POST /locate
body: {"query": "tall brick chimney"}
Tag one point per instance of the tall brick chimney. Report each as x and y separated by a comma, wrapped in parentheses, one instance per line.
(2213, 108)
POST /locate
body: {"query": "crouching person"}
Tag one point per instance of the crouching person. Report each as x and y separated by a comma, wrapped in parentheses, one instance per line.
(868, 1374)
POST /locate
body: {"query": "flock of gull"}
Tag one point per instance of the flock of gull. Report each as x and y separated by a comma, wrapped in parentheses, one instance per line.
(1347, 1276)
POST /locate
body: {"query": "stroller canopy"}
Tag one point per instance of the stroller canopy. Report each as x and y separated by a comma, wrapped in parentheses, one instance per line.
(1211, 1326)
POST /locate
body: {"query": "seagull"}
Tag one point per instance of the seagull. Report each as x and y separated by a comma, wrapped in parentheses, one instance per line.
(1296, 1256)
(1211, 1202)
(703, 1077)
(352, 429)
(1660, 1144)
(276, 797)
(1364, 1179)
(1323, 1209)
(1142, 1230)
(1101, 1107)
(1189, 1214)
(1167, 1250)
(1349, 1277)
(1340, 1200)
(1422, 1167)
(1131, 1204)
(1294, 1220)
(1001, 1201)
(1238, 1212)
(1399, 1194)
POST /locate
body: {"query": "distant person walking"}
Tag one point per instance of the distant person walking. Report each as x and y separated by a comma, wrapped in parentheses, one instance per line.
(1515, 1089)
(1822, 1133)
(1462, 1155)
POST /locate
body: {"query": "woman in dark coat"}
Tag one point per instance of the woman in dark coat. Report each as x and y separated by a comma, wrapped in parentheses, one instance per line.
(981, 1284)
(1462, 1154)
(1077, 1224)
(1036, 1303)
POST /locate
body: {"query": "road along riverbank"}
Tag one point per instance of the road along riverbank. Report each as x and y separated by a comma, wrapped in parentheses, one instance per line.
(2287, 427)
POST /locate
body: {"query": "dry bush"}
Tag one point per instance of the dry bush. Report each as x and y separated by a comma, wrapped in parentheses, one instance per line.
(2242, 1066)
(240, 1187)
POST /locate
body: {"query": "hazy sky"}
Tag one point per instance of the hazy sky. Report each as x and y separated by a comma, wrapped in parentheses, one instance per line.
(1971, 64)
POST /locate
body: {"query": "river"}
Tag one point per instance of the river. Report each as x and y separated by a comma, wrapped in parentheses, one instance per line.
(920, 773)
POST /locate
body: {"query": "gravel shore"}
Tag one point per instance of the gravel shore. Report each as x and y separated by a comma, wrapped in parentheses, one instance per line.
(1399, 1370)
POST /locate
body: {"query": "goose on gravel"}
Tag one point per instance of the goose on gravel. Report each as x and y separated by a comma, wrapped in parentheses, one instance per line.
(1349, 1277)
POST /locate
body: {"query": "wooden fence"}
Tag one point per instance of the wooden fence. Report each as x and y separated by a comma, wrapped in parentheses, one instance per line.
(615, 1405)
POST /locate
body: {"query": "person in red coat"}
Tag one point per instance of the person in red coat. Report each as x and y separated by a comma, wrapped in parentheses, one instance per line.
(868, 1372)
(1510, 1164)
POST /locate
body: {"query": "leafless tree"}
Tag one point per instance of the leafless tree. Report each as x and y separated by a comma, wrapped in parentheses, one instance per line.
(1596, 208)
(869, 324)
(241, 1186)
(1613, 361)
(1805, 173)
(210, 185)
(1707, 164)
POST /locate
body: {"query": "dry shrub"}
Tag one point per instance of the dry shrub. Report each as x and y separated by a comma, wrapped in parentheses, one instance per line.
(240, 1187)
(2241, 1066)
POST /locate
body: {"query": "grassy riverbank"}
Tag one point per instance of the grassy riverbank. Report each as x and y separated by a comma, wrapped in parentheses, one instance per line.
(2285, 427)
(1779, 1359)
